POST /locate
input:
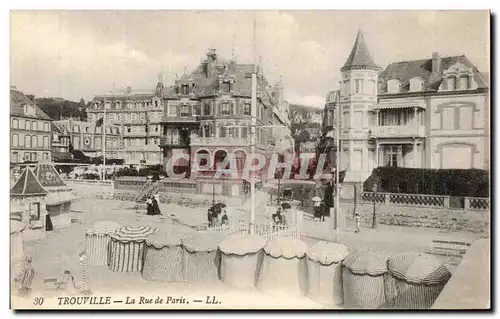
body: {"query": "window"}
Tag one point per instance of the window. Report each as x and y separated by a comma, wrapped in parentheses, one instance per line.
(156, 103)
(97, 142)
(15, 140)
(185, 110)
(129, 129)
(40, 140)
(76, 129)
(34, 125)
(465, 118)
(393, 86)
(346, 87)
(231, 132)
(345, 120)
(448, 118)
(134, 116)
(358, 120)
(225, 108)
(76, 144)
(45, 142)
(330, 117)
(46, 127)
(452, 83)
(464, 82)
(34, 141)
(34, 157)
(396, 117)
(416, 84)
(121, 117)
(172, 110)
(15, 123)
(45, 156)
(27, 141)
(226, 87)
(371, 87)
(247, 108)
(358, 86)
(222, 131)
(185, 89)
(87, 129)
(393, 155)
(27, 125)
(15, 157)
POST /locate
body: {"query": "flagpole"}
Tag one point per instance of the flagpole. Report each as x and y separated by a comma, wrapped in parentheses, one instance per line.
(337, 172)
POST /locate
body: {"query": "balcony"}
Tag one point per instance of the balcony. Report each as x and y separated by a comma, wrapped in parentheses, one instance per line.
(392, 131)
(180, 119)
(169, 141)
(220, 141)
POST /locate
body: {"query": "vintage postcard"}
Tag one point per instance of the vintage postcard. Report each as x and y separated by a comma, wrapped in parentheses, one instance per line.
(250, 160)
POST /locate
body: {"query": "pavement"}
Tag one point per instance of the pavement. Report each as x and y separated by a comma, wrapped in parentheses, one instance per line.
(59, 252)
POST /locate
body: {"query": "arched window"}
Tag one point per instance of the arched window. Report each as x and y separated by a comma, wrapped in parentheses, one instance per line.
(34, 141)
(27, 141)
(35, 126)
(393, 86)
(15, 140)
(27, 125)
(46, 127)
(464, 82)
(15, 123)
(452, 83)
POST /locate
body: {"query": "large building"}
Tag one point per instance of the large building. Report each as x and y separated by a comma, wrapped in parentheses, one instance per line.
(208, 111)
(30, 133)
(88, 138)
(138, 114)
(428, 113)
(60, 143)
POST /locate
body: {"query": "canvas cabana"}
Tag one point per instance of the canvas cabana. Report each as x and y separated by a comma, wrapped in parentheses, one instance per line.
(28, 198)
(127, 248)
(97, 241)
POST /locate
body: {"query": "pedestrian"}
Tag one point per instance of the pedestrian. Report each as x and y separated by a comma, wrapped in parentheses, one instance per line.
(317, 210)
(156, 205)
(323, 211)
(209, 217)
(84, 285)
(149, 206)
(357, 218)
(25, 277)
(225, 218)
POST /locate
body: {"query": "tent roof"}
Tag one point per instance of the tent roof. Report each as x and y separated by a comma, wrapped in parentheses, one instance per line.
(28, 185)
(48, 175)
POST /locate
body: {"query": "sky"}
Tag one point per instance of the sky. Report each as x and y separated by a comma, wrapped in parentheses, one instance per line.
(79, 54)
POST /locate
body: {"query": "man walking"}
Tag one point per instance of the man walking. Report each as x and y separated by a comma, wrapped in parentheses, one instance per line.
(357, 218)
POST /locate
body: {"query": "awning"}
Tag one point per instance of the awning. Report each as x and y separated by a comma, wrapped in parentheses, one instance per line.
(383, 106)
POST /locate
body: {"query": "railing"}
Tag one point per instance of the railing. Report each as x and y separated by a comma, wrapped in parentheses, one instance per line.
(421, 200)
(408, 130)
(89, 182)
(167, 140)
(227, 141)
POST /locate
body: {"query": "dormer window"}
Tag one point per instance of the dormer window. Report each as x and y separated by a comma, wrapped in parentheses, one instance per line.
(226, 87)
(416, 84)
(118, 105)
(29, 109)
(451, 83)
(393, 86)
(185, 89)
(156, 103)
(464, 83)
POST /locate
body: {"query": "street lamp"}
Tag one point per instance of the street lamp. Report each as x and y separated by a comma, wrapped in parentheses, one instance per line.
(374, 216)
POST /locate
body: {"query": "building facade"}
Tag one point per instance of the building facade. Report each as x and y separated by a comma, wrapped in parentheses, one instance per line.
(60, 143)
(30, 130)
(429, 113)
(138, 116)
(88, 137)
(208, 111)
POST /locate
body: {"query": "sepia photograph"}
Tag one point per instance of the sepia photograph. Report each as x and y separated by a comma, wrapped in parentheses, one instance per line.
(250, 160)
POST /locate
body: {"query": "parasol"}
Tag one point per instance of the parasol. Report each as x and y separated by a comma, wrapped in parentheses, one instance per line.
(316, 199)
(286, 206)
(135, 233)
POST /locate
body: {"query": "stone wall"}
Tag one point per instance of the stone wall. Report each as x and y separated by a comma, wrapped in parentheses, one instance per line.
(443, 218)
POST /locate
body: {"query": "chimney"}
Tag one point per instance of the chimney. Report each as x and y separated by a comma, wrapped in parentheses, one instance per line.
(436, 63)
(211, 62)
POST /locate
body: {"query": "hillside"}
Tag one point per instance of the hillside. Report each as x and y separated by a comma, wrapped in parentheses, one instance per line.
(58, 108)
(306, 114)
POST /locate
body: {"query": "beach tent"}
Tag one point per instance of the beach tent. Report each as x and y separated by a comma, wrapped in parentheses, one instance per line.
(325, 272)
(241, 259)
(127, 248)
(97, 241)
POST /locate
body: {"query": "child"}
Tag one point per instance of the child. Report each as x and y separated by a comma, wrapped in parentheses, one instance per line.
(84, 285)
(25, 277)
(357, 218)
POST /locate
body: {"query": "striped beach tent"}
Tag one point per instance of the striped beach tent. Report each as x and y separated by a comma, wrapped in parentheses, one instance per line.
(284, 268)
(164, 257)
(363, 276)
(202, 256)
(127, 247)
(325, 272)
(241, 259)
(97, 241)
(419, 279)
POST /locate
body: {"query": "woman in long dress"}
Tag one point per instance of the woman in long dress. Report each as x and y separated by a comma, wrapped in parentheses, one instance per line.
(25, 277)
(84, 286)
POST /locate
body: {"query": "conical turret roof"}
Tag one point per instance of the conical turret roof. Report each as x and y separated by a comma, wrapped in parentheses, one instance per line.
(360, 55)
(28, 185)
